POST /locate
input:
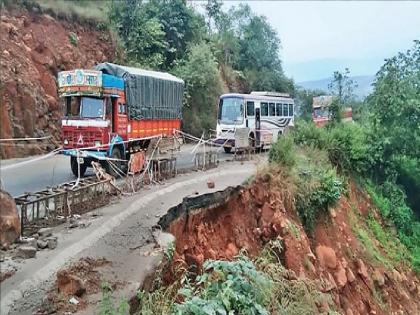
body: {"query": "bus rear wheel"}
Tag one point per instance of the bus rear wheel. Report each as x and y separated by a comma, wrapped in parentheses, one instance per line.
(75, 167)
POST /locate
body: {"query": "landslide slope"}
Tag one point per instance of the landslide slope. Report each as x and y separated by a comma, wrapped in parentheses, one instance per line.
(34, 47)
(360, 272)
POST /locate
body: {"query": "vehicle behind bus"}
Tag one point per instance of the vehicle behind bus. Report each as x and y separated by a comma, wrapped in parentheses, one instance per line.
(321, 114)
(267, 115)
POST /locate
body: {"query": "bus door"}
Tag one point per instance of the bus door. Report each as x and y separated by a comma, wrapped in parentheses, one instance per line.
(257, 127)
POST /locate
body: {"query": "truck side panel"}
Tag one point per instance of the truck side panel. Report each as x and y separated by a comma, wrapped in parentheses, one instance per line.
(152, 127)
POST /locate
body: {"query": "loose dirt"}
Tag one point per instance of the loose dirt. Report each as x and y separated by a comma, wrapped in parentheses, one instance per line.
(78, 281)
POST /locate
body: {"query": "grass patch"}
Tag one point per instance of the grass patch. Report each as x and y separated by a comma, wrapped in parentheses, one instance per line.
(78, 10)
(108, 306)
(291, 227)
(367, 231)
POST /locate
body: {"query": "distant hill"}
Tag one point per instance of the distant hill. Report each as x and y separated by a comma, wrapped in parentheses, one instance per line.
(364, 85)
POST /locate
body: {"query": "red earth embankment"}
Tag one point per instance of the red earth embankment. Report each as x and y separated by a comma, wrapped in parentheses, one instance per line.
(246, 218)
(34, 48)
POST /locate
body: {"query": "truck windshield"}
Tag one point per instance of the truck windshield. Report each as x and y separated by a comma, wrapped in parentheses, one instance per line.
(231, 110)
(92, 107)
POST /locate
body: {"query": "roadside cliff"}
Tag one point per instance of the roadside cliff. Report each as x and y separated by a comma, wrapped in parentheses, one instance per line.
(34, 47)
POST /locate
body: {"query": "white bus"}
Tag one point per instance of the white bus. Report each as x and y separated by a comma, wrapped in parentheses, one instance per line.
(266, 114)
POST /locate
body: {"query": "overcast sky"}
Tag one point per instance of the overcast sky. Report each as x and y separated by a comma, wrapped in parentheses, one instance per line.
(319, 37)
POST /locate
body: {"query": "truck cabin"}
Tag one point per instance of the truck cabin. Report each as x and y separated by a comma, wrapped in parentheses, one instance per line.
(93, 107)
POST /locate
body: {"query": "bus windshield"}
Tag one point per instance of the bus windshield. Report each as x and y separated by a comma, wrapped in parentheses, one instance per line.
(231, 110)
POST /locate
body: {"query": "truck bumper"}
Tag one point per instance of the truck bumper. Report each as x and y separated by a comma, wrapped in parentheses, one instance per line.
(99, 155)
(229, 143)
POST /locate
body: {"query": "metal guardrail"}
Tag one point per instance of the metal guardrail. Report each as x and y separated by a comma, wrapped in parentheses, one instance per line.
(52, 206)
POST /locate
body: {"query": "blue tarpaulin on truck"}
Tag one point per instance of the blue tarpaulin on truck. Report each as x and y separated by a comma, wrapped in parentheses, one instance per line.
(149, 94)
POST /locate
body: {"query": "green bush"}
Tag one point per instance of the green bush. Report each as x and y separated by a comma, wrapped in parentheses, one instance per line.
(73, 39)
(347, 148)
(241, 286)
(227, 288)
(318, 190)
(307, 134)
(391, 202)
(283, 152)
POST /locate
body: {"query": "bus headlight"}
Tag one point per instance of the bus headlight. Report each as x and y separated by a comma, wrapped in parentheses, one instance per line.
(97, 143)
(66, 141)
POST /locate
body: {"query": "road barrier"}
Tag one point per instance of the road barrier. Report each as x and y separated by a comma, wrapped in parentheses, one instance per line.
(52, 206)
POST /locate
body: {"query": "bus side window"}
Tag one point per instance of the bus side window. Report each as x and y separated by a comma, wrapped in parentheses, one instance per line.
(264, 109)
(285, 111)
(290, 109)
(250, 109)
(272, 109)
(278, 109)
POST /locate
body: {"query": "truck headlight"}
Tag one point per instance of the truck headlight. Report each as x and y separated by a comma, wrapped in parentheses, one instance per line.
(66, 141)
(97, 143)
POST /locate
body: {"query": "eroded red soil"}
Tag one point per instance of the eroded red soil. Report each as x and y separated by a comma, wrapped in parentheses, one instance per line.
(264, 211)
(34, 48)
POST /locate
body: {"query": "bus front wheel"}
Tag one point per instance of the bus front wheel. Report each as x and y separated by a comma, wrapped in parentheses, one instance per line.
(227, 149)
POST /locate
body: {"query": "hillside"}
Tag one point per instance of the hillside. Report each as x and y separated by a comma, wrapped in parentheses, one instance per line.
(35, 46)
(339, 259)
(363, 82)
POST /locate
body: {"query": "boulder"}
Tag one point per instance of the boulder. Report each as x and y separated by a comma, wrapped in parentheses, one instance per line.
(210, 184)
(42, 244)
(26, 252)
(69, 284)
(361, 269)
(350, 275)
(9, 220)
(329, 283)
(45, 232)
(349, 311)
(326, 256)
(52, 242)
(340, 277)
(378, 278)
(29, 241)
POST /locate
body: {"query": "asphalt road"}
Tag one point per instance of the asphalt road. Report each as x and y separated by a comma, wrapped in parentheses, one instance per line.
(38, 175)
(119, 232)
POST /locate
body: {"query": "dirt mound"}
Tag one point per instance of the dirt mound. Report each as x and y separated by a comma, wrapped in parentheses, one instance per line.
(9, 220)
(35, 47)
(253, 215)
(77, 281)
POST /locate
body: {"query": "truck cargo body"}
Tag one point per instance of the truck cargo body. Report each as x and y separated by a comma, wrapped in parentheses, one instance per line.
(112, 111)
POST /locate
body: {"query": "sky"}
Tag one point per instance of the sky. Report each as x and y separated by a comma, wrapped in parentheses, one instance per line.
(319, 37)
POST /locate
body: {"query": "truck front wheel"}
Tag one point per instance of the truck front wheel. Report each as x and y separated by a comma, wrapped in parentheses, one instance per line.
(119, 167)
(75, 167)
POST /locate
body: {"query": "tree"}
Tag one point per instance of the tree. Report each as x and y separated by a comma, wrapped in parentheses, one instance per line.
(202, 88)
(214, 12)
(258, 51)
(342, 87)
(143, 36)
(395, 103)
(156, 33)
